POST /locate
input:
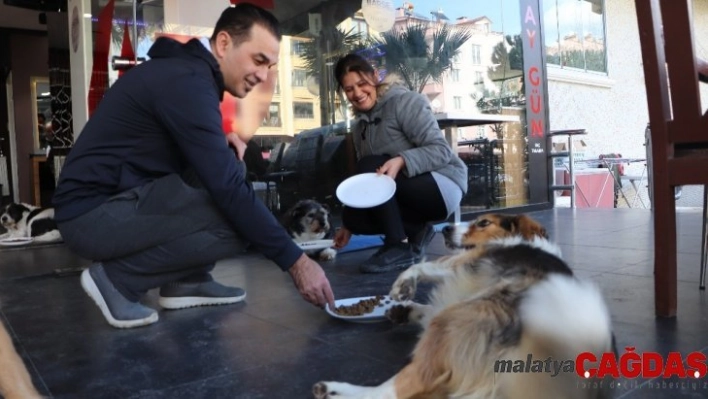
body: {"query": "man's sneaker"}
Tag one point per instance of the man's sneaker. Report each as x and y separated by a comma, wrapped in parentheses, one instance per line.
(118, 311)
(179, 295)
(389, 258)
(421, 240)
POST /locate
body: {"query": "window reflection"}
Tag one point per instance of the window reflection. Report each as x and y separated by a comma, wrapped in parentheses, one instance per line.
(303, 110)
(299, 77)
(575, 35)
(273, 118)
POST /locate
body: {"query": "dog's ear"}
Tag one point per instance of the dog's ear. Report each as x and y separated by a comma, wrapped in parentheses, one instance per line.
(288, 216)
(16, 211)
(296, 212)
(529, 228)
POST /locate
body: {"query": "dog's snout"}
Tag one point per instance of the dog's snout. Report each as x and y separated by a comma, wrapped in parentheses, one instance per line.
(448, 229)
(3, 219)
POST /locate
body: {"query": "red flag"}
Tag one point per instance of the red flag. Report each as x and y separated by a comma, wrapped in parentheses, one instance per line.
(229, 116)
(267, 4)
(126, 51)
(99, 73)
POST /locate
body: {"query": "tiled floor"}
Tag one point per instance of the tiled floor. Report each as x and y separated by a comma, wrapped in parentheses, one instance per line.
(276, 346)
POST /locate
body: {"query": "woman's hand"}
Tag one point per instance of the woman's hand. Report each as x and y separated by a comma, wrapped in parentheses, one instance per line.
(392, 167)
(342, 237)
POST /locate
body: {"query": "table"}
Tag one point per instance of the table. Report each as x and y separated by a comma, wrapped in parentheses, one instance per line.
(609, 163)
(450, 121)
(594, 187)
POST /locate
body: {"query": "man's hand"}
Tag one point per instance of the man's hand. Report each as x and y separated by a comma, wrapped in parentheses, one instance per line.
(342, 237)
(310, 280)
(238, 144)
(392, 167)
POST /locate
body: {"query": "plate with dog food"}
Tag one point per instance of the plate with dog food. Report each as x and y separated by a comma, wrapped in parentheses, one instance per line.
(315, 244)
(366, 309)
(16, 241)
(366, 190)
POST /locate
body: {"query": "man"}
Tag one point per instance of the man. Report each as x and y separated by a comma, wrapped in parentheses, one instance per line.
(152, 192)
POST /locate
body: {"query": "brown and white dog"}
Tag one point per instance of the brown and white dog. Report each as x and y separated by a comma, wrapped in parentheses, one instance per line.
(15, 381)
(507, 298)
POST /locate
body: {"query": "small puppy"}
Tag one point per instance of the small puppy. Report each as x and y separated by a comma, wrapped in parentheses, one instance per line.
(25, 220)
(308, 220)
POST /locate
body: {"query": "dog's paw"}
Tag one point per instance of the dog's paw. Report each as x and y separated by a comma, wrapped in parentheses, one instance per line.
(398, 314)
(403, 289)
(329, 390)
(417, 313)
(340, 390)
(319, 390)
(328, 254)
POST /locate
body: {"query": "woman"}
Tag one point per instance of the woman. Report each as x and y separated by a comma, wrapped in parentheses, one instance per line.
(396, 134)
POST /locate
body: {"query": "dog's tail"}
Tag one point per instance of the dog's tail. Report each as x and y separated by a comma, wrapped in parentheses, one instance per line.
(563, 317)
(568, 311)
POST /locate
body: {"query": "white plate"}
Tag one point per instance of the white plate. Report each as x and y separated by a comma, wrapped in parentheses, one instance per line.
(316, 244)
(377, 315)
(9, 242)
(366, 190)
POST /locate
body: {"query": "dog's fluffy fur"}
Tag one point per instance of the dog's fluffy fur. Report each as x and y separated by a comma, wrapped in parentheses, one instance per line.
(507, 295)
(25, 220)
(15, 381)
(308, 220)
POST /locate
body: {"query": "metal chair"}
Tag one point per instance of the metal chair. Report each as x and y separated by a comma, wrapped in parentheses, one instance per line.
(571, 186)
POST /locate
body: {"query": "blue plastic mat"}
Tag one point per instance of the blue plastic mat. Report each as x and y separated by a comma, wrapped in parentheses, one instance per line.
(361, 242)
(358, 243)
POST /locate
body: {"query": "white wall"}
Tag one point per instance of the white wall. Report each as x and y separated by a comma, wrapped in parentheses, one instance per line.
(81, 58)
(614, 109)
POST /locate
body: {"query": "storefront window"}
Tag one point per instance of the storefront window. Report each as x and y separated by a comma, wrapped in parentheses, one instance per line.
(575, 34)
(466, 58)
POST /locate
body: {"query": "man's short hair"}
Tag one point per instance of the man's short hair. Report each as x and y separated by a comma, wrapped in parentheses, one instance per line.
(237, 22)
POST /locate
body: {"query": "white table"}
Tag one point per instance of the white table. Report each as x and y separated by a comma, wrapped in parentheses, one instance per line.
(450, 121)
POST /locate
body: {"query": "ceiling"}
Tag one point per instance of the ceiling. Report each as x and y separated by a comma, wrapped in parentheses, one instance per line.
(292, 14)
(20, 18)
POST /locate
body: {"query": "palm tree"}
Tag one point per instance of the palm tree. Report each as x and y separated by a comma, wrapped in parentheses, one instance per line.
(329, 46)
(319, 55)
(418, 60)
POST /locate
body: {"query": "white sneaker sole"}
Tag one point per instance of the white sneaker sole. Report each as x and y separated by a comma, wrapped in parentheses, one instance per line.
(184, 302)
(92, 290)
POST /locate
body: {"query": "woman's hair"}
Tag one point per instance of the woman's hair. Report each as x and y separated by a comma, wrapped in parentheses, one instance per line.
(352, 63)
(238, 21)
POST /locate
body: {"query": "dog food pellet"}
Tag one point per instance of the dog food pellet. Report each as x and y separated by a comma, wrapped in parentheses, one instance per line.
(360, 308)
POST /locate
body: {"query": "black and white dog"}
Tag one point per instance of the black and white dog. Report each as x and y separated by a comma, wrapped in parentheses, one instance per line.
(308, 220)
(25, 220)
